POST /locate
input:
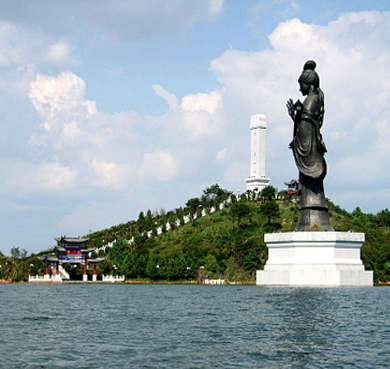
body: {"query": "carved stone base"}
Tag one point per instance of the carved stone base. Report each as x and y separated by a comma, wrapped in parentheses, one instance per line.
(314, 259)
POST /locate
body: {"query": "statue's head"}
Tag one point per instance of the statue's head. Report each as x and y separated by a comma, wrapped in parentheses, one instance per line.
(309, 77)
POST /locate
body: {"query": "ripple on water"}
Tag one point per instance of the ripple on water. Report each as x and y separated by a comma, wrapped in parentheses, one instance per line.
(125, 326)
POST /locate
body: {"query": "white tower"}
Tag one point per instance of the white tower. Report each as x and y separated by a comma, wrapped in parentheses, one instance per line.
(257, 177)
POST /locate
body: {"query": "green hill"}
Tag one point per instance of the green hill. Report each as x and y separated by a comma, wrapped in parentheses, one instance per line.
(227, 243)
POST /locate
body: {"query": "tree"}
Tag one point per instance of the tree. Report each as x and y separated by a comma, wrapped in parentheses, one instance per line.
(118, 251)
(149, 219)
(193, 204)
(283, 195)
(384, 218)
(141, 222)
(211, 266)
(254, 255)
(240, 211)
(250, 195)
(268, 193)
(15, 252)
(214, 195)
(270, 209)
(18, 253)
(128, 266)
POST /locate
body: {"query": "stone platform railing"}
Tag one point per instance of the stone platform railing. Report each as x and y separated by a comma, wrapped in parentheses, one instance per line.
(113, 279)
(45, 279)
(214, 281)
(186, 219)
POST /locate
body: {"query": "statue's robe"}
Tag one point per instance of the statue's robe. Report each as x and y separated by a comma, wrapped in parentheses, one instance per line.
(307, 144)
(309, 148)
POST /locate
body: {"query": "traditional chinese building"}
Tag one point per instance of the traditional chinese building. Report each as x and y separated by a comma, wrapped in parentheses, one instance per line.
(73, 251)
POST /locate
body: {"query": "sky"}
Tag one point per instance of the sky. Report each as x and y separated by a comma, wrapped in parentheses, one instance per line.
(111, 108)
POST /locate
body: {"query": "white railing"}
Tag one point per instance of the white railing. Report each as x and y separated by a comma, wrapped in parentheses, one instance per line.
(63, 272)
(113, 278)
(186, 218)
(46, 278)
(214, 281)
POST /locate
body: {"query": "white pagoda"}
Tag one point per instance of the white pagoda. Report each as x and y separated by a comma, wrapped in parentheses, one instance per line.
(257, 179)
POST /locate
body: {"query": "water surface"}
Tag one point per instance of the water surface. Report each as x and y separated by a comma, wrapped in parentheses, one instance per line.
(189, 326)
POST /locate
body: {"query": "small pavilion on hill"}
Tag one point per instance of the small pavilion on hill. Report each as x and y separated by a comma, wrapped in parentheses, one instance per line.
(72, 250)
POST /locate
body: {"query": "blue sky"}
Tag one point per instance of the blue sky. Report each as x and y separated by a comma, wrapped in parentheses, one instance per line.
(112, 108)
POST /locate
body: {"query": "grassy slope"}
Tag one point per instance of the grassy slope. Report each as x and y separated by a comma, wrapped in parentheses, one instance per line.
(235, 249)
(223, 244)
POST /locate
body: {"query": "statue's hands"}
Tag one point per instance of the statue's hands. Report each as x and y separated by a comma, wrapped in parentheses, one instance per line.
(290, 108)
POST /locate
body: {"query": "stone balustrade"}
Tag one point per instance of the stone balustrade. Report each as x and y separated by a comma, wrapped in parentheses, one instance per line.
(214, 281)
(186, 219)
(44, 279)
(113, 278)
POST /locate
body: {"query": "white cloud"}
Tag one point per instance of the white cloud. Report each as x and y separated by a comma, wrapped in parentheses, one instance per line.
(202, 102)
(9, 52)
(21, 47)
(45, 176)
(110, 150)
(128, 21)
(60, 100)
(71, 132)
(171, 99)
(160, 165)
(201, 113)
(60, 53)
(111, 175)
(52, 95)
(222, 154)
(54, 176)
(215, 7)
(199, 126)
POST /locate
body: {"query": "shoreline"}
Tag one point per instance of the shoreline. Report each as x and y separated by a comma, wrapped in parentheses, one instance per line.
(3, 281)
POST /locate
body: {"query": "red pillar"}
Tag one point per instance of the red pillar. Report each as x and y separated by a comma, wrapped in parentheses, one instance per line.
(57, 266)
(47, 268)
(94, 269)
(85, 265)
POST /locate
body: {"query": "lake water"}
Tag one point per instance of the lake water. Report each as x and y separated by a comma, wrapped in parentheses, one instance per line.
(191, 326)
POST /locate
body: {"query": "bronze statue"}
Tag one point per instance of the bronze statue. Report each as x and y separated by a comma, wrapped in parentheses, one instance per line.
(309, 149)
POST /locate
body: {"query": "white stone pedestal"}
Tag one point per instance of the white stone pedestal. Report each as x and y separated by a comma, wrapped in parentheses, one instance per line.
(85, 277)
(314, 259)
(94, 277)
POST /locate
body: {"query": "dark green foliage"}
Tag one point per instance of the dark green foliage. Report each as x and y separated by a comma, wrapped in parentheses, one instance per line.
(193, 205)
(270, 209)
(214, 195)
(16, 253)
(268, 193)
(240, 211)
(384, 218)
(19, 266)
